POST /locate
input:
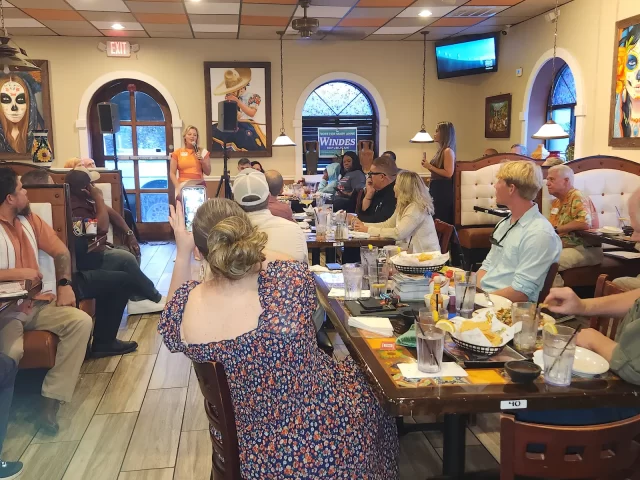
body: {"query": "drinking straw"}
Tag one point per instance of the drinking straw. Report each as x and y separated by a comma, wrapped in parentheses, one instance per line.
(620, 218)
(565, 347)
(418, 322)
(465, 288)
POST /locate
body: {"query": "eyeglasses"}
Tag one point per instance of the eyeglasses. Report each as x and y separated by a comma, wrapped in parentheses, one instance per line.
(498, 243)
(371, 174)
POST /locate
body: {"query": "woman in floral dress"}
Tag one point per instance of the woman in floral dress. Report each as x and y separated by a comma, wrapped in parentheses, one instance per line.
(299, 413)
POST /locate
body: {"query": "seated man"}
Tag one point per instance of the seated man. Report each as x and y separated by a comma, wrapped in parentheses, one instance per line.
(490, 151)
(379, 200)
(8, 370)
(523, 245)
(519, 149)
(251, 192)
(276, 184)
(631, 283)
(243, 164)
(390, 154)
(22, 235)
(87, 201)
(37, 176)
(571, 211)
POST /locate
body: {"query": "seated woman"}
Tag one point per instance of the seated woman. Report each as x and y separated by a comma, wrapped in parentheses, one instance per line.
(299, 413)
(257, 166)
(412, 222)
(330, 178)
(353, 179)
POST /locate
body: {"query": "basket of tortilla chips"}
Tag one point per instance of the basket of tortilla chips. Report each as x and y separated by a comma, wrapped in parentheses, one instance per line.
(419, 263)
(485, 335)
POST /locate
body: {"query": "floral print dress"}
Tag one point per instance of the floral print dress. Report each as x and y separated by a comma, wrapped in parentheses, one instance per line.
(299, 413)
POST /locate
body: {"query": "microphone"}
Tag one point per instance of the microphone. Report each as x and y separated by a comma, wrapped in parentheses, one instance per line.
(195, 147)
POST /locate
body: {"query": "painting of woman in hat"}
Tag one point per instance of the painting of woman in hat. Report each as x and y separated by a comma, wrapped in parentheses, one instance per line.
(246, 88)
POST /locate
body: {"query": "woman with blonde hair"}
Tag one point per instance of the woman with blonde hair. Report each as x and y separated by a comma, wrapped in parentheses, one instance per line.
(190, 162)
(442, 167)
(253, 314)
(412, 222)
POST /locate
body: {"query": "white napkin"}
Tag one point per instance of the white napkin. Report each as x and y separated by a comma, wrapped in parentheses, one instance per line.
(318, 268)
(380, 325)
(353, 234)
(339, 292)
(449, 369)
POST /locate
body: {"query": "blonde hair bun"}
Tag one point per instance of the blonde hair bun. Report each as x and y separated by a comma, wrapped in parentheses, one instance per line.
(235, 247)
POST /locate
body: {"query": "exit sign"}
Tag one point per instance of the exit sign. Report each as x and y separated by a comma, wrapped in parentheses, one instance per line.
(118, 49)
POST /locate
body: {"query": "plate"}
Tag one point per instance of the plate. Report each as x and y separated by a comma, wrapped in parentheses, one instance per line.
(611, 231)
(498, 301)
(538, 359)
(588, 363)
(547, 318)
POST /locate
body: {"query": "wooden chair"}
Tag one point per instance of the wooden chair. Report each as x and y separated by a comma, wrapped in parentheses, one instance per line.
(608, 451)
(444, 231)
(225, 458)
(606, 325)
(548, 282)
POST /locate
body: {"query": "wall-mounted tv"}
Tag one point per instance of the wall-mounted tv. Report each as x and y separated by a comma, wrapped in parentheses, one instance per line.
(467, 55)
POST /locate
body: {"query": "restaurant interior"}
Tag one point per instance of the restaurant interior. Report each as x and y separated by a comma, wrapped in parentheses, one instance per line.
(547, 87)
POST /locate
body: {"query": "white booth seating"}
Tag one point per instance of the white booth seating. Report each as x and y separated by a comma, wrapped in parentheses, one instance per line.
(45, 261)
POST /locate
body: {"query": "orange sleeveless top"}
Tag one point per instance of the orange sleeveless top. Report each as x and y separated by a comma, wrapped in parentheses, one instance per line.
(189, 167)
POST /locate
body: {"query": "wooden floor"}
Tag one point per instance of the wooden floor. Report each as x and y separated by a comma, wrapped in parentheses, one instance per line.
(140, 416)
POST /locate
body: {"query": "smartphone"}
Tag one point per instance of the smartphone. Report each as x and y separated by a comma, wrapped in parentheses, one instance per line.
(334, 266)
(192, 197)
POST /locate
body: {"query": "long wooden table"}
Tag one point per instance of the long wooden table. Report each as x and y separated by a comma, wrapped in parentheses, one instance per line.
(483, 391)
(594, 237)
(330, 242)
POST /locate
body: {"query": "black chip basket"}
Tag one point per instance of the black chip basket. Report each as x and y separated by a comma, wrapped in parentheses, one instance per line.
(418, 270)
(488, 351)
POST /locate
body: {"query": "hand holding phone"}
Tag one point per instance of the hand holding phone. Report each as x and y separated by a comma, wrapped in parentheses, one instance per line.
(192, 197)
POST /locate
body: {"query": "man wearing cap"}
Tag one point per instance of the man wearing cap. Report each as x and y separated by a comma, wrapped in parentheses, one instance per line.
(251, 192)
(87, 201)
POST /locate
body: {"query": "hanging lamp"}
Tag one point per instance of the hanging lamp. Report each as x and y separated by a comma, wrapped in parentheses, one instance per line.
(283, 139)
(422, 136)
(12, 57)
(551, 130)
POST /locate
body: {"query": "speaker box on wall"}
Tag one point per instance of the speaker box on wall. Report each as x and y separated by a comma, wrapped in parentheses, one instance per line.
(227, 116)
(108, 117)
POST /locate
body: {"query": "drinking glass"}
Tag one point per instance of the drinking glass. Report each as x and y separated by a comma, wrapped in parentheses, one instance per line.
(553, 344)
(425, 316)
(378, 278)
(368, 256)
(465, 293)
(525, 314)
(352, 273)
(430, 345)
(321, 222)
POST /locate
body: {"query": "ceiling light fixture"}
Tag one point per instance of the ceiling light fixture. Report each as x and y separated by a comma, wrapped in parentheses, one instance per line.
(425, 13)
(117, 26)
(422, 136)
(551, 130)
(12, 57)
(283, 140)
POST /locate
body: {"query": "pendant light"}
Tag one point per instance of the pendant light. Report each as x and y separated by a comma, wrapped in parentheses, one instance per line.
(283, 140)
(422, 136)
(551, 130)
(12, 57)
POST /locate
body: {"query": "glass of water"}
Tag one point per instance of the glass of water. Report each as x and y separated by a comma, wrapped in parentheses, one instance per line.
(557, 369)
(430, 345)
(524, 313)
(368, 256)
(465, 293)
(352, 273)
(378, 277)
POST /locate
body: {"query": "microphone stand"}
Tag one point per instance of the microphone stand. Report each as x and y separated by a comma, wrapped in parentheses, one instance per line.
(225, 179)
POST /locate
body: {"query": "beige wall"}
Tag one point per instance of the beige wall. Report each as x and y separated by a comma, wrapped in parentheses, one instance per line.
(395, 70)
(586, 30)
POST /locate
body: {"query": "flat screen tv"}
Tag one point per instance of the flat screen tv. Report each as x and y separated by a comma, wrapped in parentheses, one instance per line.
(467, 55)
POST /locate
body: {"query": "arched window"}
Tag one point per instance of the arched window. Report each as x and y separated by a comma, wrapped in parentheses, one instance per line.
(337, 105)
(561, 108)
(142, 145)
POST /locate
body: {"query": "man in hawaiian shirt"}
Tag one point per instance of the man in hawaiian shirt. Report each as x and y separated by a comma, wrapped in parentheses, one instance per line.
(572, 211)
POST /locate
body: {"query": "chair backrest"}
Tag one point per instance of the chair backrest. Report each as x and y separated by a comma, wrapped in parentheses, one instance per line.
(597, 451)
(225, 458)
(548, 282)
(606, 325)
(444, 231)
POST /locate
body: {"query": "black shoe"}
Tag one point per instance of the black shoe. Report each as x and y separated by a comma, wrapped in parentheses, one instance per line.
(10, 470)
(117, 347)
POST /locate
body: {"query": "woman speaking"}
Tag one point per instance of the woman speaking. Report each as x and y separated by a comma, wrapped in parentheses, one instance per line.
(442, 166)
(190, 162)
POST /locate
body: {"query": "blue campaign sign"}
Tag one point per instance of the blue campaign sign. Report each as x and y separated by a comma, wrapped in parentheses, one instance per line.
(335, 141)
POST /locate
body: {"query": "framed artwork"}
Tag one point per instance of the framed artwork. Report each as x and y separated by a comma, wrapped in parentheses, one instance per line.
(248, 85)
(497, 116)
(624, 116)
(25, 104)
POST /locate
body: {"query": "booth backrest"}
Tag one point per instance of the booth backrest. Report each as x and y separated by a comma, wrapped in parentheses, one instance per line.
(474, 187)
(608, 181)
(50, 203)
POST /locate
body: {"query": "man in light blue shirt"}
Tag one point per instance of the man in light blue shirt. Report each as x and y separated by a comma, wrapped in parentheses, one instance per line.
(523, 245)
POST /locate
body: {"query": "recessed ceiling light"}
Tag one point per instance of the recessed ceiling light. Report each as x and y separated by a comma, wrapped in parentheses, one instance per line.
(117, 26)
(425, 13)
(195, 1)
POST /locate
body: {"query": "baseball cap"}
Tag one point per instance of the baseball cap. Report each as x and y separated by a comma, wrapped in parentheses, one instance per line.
(250, 188)
(79, 177)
